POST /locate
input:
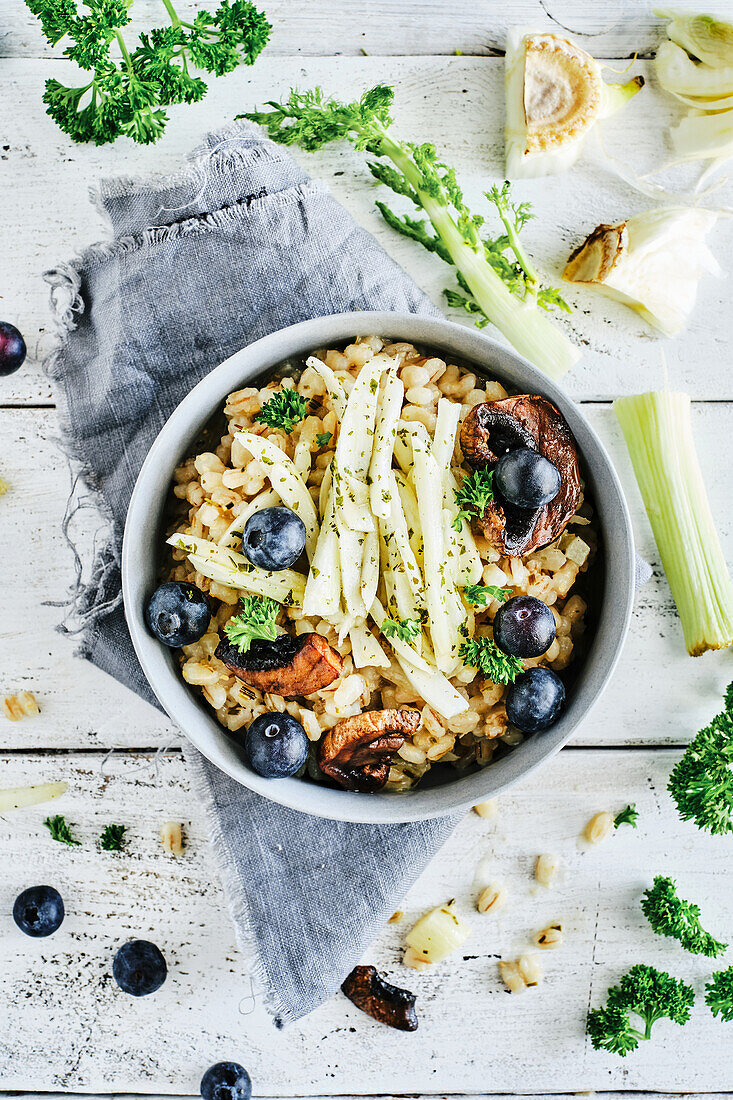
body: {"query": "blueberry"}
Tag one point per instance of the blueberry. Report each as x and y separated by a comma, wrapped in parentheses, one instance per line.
(178, 613)
(139, 968)
(39, 910)
(273, 538)
(526, 478)
(524, 627)
(535, 699)
(12, 348)
(226, 1081)
(276, 745)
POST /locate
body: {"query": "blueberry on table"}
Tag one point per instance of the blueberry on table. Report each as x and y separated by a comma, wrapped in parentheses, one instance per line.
(226, 1081)
(12, 348)
(38, 911)
(524, 627)
(535, 699)
(273, 538)
(178, 613)
(276, 745)
(526, 478)
(139, 968)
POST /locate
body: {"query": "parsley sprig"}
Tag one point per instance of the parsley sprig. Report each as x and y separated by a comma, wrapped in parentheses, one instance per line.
(405, 629)
(126, 95)
(113, 838)
(474, 495)
(485, 655)
(719, 994)
(648, 994)
(59, 829)
(480, 594)
(283, 410)
(672, 916)
(628, 816)
(701, 782)
(255, 621)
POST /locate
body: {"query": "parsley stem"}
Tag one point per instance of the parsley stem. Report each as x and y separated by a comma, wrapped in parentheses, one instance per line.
(124, 51)
(172, 13)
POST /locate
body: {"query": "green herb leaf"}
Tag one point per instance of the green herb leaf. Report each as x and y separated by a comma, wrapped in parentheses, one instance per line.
(474, 495)
(60, 831)
(405, 629)
(480, 594)
(647, 993)
(256, 621)
(672, 916)
(719, 994)
(283, 410)
(701, 783)
(627, 816)
(113, 838)
(485, 655)
(323, 439)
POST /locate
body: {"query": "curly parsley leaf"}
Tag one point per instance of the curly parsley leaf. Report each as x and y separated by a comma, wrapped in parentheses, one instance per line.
(323, 438)
(406, 629)
(126, 93)
(485, 655)
(59, 829)
(650, 995)
(628, 816)
(480, 594)
(719, 994)
(283, 410)
(701, 783)
(255, 622)
(474, 495)
(670, 915)
(113, 838)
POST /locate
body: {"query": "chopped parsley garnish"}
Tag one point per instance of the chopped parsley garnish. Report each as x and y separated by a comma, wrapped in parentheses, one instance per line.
(627, 816)
(672, 916)
(283, 410)
(405, 629)
(485, 655)
(113, 838)
(255, 621)
(474, 496)
(480, 594)
(323, 439)
(60, 831)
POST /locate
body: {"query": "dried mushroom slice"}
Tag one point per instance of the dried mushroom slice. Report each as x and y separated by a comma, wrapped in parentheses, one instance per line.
(357, 751)
(527, 420)
(387, 1003)
(286, 666)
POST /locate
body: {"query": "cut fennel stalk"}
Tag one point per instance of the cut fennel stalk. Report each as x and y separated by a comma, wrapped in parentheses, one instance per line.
(652, 262)
(658, 433)
(498, 282)
(554, 96)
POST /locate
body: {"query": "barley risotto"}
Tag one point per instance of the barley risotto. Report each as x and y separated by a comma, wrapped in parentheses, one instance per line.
(395, 470)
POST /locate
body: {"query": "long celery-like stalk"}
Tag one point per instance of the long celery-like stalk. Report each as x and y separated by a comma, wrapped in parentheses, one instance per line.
(658, 433)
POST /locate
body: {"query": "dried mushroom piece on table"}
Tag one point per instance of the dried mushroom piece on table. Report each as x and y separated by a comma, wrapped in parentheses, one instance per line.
(387, 1003)
(287, 666)
(357, 751)
(494, 428)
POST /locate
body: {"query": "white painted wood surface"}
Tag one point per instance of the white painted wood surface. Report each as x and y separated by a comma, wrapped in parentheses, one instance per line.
(69, 1029)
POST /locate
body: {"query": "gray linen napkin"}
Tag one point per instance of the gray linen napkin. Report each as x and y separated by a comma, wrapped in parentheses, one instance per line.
(240, 244)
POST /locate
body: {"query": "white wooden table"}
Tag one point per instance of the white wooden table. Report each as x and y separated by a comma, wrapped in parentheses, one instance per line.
(65, 1029)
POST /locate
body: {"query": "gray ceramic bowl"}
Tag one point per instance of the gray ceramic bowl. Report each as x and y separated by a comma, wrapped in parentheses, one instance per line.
(143, 544)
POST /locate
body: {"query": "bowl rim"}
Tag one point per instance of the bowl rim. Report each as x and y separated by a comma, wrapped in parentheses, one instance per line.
(158, 662)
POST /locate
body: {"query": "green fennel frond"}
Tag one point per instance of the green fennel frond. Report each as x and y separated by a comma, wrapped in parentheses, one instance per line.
(59, 829)
(650, 995)
(113, 838)
(485, 655)
(628, 816)
(283, 410)
(719, 994)
(255, 622)
(701, 783)
(480, 594)
(670, 915)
